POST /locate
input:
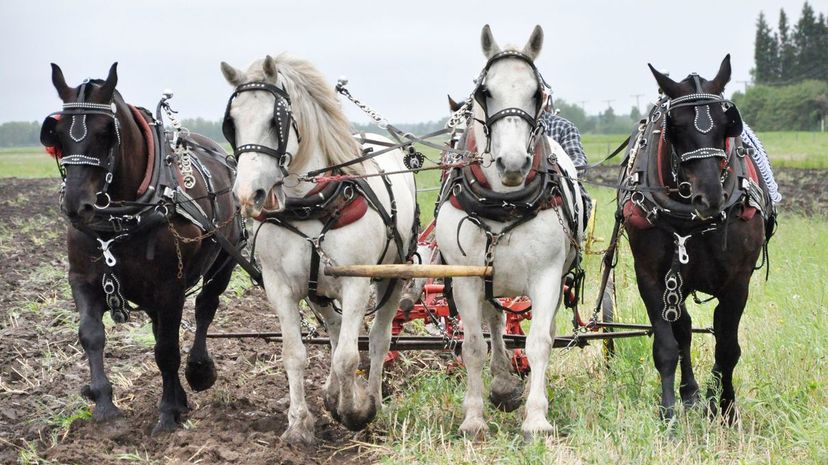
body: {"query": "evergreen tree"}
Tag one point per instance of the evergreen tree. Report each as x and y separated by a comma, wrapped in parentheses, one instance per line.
(821, 41)
(764, 53)
(807, 53)
(786, 50)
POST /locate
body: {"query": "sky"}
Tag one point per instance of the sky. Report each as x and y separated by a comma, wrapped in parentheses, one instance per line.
(400, 57)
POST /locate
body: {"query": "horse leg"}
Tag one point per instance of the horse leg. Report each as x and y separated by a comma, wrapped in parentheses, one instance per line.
(201, 371)
(357, 407)
(166, 326)
(467, 295)
(294, 358)
(90, 305)
(665, 346)
(333, 322)
(682, 331)
(546, 295)
(380, 340)
(726, 319)
(507, 390)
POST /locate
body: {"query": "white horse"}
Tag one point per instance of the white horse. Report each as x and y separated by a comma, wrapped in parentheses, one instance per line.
(529, 260)
(315, 135)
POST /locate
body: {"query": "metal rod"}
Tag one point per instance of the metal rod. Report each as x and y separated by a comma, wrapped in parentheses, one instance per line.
(408, 271)
(707, 330)
(415, 342)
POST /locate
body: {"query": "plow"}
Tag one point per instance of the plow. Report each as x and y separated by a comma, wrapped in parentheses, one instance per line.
(434, 309)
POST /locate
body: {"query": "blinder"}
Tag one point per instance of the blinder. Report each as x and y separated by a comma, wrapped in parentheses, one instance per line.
(734, 122)
(541, 97)
(283, 121)
(48, 131)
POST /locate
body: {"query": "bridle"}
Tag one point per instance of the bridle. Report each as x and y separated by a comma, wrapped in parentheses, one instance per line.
(703, 122)
(542, 101)
(79, 110)
(282, 118)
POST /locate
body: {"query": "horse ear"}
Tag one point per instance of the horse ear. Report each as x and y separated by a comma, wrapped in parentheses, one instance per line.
(717, 85)
(108, 87)
(231, 74)
(269, 66)
(533, 47)
(488, 43)
(63, 90)
(670, 87)
(453, 106)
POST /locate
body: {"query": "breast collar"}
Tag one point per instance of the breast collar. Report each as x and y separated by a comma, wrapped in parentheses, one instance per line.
(643, 183)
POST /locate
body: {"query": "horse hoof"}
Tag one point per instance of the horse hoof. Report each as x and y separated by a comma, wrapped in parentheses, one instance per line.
(201, 375)
(690, 396)
(537, 429)
(508, 401)
(666, 413)
(298, 436)
(103, 413)
(331, 402)
(164, 427)
(730, 415)
(474, 429)
(358, 421)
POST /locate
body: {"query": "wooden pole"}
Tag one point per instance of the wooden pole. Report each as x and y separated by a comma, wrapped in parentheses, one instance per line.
(409, 271)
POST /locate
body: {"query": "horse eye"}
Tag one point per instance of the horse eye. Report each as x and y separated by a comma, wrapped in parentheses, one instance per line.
(485, 91)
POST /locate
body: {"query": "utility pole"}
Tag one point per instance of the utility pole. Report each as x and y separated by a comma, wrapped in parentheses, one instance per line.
(583, 102)
(743, 82)
(609, 102)
(637, 97)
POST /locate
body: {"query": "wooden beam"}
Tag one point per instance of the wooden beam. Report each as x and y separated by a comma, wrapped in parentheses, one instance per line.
(409, 271)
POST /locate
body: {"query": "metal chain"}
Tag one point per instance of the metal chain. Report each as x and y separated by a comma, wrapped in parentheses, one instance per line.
(566, 231)
(178, 239)
(373, 114)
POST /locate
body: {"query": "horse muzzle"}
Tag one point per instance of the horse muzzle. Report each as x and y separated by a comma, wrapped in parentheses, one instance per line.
(254, 204)
(511, 173)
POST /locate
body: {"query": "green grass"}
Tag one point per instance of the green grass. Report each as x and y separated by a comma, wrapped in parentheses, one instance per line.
(27, 162)
(609, 414)
(789, 149)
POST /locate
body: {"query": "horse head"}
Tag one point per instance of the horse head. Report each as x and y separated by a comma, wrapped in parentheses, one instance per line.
(87, 137)
(508, 101)
(698, 122)
(259, 123)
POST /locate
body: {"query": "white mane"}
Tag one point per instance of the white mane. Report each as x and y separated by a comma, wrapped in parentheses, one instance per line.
(318, 114)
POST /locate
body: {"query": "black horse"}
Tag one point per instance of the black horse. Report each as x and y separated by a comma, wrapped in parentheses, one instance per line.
(689, 200)
(146, 222)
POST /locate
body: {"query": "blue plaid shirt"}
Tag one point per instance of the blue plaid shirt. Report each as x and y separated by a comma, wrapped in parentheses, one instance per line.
(565, 133)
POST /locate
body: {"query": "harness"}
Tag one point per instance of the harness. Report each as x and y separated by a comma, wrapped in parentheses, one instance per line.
(646, 201)
(334, 204)
(467, 188)
(480, 94)
(160, 196)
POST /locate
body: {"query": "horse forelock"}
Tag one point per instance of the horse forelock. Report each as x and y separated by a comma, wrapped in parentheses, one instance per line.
(319, 116)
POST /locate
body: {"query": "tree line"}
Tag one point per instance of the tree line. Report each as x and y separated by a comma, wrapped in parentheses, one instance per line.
(790, 74)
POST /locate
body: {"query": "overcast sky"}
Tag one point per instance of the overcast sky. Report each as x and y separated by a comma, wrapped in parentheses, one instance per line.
(401, 57)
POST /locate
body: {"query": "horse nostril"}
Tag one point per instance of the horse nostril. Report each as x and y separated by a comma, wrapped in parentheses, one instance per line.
(87, 208)
(499, 164)
(700, 202)
(527, 164)
(259, 198)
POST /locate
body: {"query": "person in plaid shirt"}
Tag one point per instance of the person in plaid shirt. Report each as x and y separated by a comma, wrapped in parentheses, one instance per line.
(562, 131)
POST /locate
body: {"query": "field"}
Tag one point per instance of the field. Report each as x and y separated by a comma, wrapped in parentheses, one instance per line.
(604, 412)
